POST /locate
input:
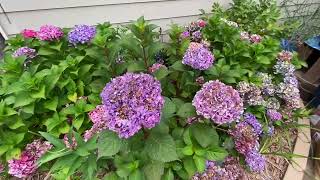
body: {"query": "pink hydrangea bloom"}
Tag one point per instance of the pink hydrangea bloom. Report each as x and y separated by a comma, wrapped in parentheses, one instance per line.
(202, 23)
(50, 33)
(285, 56)
(71, 144)
(29, 33)
(255, 38)
(98, 120)
(26, 165)
(245, 36)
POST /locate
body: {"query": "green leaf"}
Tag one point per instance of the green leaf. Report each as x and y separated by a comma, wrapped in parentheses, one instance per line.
(216, 154)
(200, 163)
(16, 123)
(153, 170)
(169, 108)
(161, 147)
(136, 175)
(40, 93)
(186, 110)
(205, 134)
(263, 60)
(109, 144)
(72, 97)
(23, 99)
(13, 153)
(51, 155)
(51, 104)
(161, 73)
(135, 67)
(45, 51)
(188, 150)
(168, 175)
(111, 176)
(4, 148)
(54, 121)
(178, 66)
(189, 166)
(53, 140)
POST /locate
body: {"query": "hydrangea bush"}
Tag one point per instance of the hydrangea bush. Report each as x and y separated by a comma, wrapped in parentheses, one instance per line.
(117, 103)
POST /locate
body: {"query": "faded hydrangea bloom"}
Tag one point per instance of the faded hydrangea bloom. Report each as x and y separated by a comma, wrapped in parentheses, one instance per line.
(155, 67)
(288, 91)
(29, 33)
(25, 51)
(218, 102)
(274, 115)
(200, 80)
(255, 38)
(198, 57)
(250, 93)
(268, 88)
(284, 68)
(230, 169)
(245, 36)
(285, 56)
(273, 103)
(49, 33)
(255, 161)
(26, 165)
(132, 102)
(70, 143)
(230, 23)
(292, 80)
(81, 34)
(270, 131)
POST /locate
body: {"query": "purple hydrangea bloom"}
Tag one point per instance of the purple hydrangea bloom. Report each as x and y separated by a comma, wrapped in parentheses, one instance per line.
(245, 137)
(284, 68)
(218, 102)
(252, 120)
(25, 51)
(185, 34)
(255, 161)
(270, 130)
(26, 165)
(81, 34)
(198, 57)
(291, 80)
(50, 33)
(196, 35)
(274, 115)
(131, 102)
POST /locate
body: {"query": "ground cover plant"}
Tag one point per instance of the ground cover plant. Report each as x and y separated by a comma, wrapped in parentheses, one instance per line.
(111, 102)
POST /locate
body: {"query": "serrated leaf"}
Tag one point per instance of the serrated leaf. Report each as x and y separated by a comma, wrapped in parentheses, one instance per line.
(161, 73)
(169, 108)
(168, 175)
(135, 67)
(53, 140)
(200, 163)
(216, 154)
(73, 97)
(40, 93)
(161, 147)
(153, 170)
(136, 175)
(204, 134)
(186, 110)
(51, 104)
(109, 144)
(189, 166)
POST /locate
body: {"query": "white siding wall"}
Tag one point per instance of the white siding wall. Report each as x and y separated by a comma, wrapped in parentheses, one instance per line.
(20, 14)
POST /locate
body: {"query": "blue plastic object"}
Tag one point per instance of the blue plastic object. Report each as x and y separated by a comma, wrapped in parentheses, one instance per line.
(314, 42)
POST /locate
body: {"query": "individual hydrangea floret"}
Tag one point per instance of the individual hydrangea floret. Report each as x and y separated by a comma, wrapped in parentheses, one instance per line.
(132, 102)
(218, 102)
(255, 38)
(274, 115)
(230, 169)
(155, 67)
(26, 165)
(284, 68)
(25, 51)
(50, 33)
(29, 33)
(99, 123)
(81, 34)
(198, 57)
(285, 56)
(255, 161)
(250, 93)
(252, 120)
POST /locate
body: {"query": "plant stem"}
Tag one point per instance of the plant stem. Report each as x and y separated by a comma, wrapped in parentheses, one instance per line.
(145, 57)
(34, 133)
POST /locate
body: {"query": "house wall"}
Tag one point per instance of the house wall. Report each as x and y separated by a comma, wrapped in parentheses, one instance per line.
(20, 14)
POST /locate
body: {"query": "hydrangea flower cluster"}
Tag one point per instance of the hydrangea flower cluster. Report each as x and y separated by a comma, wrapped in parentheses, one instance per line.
(155, 67)
(50, 33)
(285, 56)
(245, 36)
(268, 88)
(132, 102)
(273, 103)
(29, 33)
(255, 38)
(218, 102)
(99, 123)
(230, 169)
(230, 23)
(290, 94)
(81, 34)
(284, 68)
(198, 56)
(274, 115)
(193, 31)
(246, 139)
(25, 51)
(26, 165)
(250, 93)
